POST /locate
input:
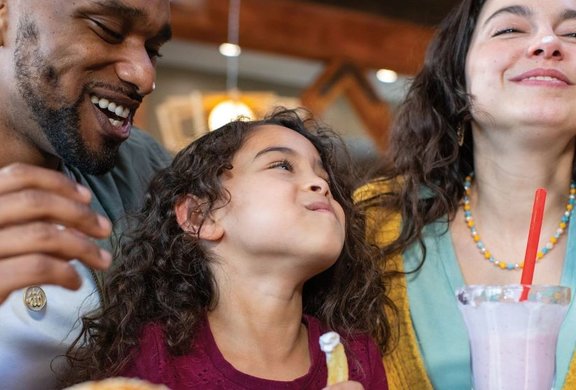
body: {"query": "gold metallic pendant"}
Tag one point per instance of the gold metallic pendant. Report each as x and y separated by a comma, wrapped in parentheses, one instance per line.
(35, 298)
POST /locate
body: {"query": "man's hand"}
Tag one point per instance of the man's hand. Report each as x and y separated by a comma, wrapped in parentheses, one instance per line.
(46, 220)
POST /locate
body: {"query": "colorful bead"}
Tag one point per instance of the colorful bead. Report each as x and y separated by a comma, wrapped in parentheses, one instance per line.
(543, 251)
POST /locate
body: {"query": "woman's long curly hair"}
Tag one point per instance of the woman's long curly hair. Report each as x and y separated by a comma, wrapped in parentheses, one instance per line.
(427, 166)
(164, 273)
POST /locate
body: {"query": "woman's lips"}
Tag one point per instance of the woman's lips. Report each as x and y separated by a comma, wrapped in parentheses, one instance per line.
(543, 77)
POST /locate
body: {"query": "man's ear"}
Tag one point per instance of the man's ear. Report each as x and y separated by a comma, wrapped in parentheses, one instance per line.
(3, 21)
(190, 215)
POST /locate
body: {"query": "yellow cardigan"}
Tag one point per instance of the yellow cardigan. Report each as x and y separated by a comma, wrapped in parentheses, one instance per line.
(404, 364)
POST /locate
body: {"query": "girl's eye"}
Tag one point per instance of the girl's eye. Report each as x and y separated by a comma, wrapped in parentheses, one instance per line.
(509, 30)
(570, 35)
(284, 164)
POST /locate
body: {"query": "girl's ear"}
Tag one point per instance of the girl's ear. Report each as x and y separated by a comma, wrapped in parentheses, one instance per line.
(190, 216)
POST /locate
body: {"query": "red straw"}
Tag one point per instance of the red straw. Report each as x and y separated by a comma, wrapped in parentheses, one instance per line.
(533, 240)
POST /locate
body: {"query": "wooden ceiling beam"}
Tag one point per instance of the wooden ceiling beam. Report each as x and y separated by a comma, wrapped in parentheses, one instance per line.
(306, 30)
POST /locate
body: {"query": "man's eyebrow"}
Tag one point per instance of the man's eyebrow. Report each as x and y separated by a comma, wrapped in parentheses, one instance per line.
(281, 149)
(124, 11)
(120, 9)
(513, 9)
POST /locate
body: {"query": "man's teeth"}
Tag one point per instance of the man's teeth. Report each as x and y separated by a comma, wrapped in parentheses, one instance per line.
(114, 108)
(115, 123)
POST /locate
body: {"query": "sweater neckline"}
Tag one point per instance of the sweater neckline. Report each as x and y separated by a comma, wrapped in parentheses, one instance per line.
(242, 379)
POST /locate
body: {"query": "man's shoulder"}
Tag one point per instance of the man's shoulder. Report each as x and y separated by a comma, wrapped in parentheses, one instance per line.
(142, 148)
(122, 189)
(139, 158)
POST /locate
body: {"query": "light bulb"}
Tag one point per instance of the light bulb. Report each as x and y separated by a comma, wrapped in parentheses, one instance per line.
(386, 75)
(226, 111)
(229, 49)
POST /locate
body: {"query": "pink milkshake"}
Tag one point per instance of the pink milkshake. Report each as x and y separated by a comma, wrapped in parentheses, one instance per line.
(513, 344)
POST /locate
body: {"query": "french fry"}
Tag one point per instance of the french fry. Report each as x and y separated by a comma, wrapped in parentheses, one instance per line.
(335, 358)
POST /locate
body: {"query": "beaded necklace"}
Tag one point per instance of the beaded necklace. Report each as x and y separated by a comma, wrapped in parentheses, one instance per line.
(545, 249)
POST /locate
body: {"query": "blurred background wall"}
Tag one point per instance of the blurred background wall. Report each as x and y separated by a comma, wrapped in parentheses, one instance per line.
(320, 54)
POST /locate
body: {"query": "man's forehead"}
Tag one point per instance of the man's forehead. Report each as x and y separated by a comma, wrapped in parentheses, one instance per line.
(132, 8)
(140, 12)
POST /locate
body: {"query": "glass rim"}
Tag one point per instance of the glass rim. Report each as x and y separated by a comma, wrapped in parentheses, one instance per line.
(475, 294)
(513, 286)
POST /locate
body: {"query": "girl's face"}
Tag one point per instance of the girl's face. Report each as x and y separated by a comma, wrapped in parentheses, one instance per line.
(521, 65)
(281, 205)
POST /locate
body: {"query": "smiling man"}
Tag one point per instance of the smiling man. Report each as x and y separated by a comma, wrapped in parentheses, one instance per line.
(72, 75)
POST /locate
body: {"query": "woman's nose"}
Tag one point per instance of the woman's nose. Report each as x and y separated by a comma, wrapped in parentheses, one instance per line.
(547, 46)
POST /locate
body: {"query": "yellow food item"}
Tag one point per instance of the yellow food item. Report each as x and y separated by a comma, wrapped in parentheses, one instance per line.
(335, 358)
(117, 383)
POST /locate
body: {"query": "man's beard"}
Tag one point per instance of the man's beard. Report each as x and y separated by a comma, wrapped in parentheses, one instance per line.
(61, 126)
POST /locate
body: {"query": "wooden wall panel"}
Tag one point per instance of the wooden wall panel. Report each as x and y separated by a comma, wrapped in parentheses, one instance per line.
(309, 31)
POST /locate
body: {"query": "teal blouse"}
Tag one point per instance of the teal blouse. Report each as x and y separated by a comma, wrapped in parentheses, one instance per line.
(438, 324)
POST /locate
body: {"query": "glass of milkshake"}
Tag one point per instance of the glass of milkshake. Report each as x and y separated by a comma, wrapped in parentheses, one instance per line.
(513, 342)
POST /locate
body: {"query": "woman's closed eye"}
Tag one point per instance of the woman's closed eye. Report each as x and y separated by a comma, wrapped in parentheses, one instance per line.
(507, 30)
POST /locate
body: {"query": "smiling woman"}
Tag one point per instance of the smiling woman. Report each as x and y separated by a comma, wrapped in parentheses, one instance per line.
(494, 102)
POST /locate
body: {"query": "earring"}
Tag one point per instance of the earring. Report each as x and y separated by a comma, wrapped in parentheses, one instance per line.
(460, 135)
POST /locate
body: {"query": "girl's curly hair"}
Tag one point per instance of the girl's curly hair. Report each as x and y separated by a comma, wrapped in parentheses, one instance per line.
(164, 275)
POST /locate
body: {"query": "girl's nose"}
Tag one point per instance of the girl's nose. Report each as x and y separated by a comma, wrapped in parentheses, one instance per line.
(320, 185)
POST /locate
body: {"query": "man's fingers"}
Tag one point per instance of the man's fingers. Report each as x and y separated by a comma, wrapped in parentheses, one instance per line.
(23, 271)
(45, 221)
(17, 177)
(53, 240)
(33, 205)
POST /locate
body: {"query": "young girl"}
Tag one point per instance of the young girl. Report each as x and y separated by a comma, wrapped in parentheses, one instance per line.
(247, 249)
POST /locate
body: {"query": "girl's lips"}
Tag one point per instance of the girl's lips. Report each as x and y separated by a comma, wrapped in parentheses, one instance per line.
(320, 206)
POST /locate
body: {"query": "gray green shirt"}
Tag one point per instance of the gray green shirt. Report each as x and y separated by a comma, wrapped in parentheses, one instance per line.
(31, 341)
